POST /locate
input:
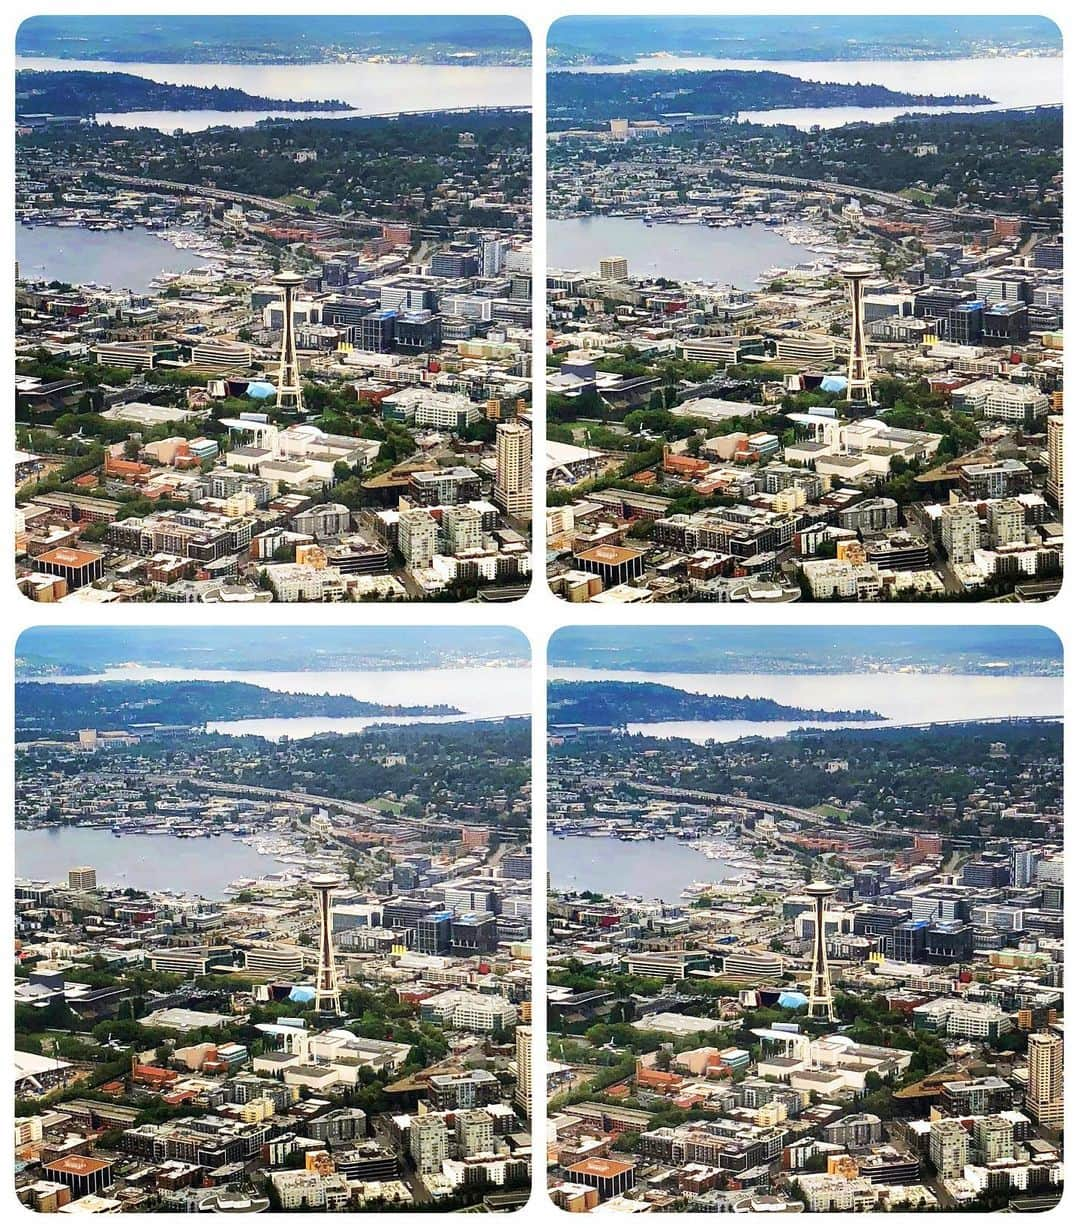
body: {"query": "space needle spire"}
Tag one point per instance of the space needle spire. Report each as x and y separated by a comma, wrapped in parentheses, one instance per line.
(327, 994)
(859, 390)
(820, 1004)
(289, 393)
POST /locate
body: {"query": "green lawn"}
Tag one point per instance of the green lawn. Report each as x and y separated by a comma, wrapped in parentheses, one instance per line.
(830, 812)
(386, 805)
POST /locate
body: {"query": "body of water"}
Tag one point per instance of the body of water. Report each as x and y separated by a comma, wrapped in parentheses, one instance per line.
(489, 692)
(370, 89)
(161, 862)
(122, 259)
(654, 869)
(901, 698)
(200, 866)
(1011, 81)
(732, 256)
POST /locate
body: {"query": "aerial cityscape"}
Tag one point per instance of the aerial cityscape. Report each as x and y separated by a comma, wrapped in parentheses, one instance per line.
(804, 306)
(273, 309)
(272, 932)
(805, 945)
(798, 879)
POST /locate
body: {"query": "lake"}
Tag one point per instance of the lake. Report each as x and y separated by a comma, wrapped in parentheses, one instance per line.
(1011, 81)
(734, 256)
(122, 259)
(370, 89)
(901, 698)
(199, 866)
(654, 869)
(484, 692)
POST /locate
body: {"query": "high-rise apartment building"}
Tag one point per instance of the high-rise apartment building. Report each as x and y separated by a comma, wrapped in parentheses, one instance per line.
(994, 1139)
(1055, 477)
(428, 1138)
(960, 532)
(948, 1148)
(474, 1132)
(614, 268)
(513, 468)
(1045, 1099)
(418, 537)
(1006, 520)
(463, 528)
(523, 1059)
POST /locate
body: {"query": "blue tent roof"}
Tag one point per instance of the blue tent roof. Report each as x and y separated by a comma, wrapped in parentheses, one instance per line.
(831, 383)
(260, 389)
(792, 1000)
(301, 993)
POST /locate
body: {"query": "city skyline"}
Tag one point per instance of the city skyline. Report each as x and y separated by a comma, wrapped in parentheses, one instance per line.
(804, 955)
(805, 313)
(273, 938)
(304, 375)
(510, 902)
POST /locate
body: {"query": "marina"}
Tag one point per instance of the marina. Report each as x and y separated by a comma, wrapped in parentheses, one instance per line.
(188, 861)
(698, 245)
(644, 868)
(81, 251)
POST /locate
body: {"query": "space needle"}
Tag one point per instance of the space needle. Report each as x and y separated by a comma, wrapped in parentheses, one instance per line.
(289, 393)
(859, 390)
(327, 994)
(820, 1005)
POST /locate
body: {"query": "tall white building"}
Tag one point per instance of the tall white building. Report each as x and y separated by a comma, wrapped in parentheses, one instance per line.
(417, 537)
(428, 1139)
(948, 1148)
(960, 532)
(1024, 863)
(614, 268)
(463, 526)
(492, 257)
(474, 1132)
(994, 1138)
(1006, 519)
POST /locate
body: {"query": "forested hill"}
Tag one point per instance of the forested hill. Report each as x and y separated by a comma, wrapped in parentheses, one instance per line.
(86, 93)
(621, 703)
(653, 95)
(45, 708)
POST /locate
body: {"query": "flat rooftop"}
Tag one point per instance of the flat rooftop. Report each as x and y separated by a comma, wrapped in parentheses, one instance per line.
(610, 556)
(599, 1166)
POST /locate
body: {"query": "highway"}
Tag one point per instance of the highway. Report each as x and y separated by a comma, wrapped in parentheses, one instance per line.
(892, 199)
